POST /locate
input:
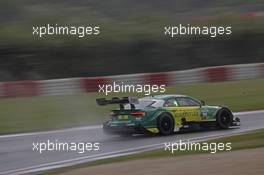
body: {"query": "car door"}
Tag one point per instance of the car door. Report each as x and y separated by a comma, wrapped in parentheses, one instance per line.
(189, 109)
(172, 105)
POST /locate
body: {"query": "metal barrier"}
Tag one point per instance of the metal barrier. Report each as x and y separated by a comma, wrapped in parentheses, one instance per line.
(90, 84)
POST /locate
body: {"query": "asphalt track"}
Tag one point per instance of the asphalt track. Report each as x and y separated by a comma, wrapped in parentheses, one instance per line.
(17, 155)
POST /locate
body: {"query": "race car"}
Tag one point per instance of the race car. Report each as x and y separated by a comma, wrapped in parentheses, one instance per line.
(163, 114)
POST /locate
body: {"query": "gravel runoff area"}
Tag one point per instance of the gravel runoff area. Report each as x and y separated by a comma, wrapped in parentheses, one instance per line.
(242, 162)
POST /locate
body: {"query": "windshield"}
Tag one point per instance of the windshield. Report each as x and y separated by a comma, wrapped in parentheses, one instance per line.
(146, 103)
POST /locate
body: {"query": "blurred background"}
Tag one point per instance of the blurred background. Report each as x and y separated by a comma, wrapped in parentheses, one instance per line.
(131, 41)
(132, 37)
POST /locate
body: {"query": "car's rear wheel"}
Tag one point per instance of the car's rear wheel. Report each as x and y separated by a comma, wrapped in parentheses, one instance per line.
(165, 124)
(224, 118)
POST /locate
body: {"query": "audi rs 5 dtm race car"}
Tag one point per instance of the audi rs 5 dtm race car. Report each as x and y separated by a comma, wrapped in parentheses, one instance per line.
(162, 114)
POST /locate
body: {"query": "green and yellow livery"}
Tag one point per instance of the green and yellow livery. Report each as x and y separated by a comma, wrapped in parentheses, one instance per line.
(163, 114)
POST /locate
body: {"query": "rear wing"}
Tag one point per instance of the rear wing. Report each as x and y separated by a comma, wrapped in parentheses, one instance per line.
(121, 101)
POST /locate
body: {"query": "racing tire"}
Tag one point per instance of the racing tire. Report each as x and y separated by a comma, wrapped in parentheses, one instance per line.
(165, 124)
(224, 118)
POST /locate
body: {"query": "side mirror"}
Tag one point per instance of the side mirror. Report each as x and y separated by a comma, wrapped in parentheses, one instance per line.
(202, 103)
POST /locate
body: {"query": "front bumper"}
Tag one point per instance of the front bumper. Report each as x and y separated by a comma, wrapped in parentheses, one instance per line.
(236, 122)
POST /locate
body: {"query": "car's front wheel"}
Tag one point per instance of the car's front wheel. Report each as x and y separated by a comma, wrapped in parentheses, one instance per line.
(224, 118)
(165, 124)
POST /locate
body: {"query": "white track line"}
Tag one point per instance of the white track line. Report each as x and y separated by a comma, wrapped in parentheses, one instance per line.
(52, 132)
(249, 112)
(93, 127)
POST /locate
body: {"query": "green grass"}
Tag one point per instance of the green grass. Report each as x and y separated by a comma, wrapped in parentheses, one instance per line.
(253, 139)
(52, 112)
